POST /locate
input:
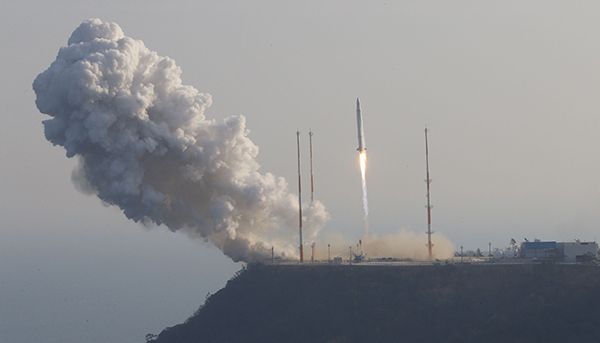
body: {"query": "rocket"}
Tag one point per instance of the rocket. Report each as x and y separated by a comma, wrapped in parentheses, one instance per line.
(361, 132)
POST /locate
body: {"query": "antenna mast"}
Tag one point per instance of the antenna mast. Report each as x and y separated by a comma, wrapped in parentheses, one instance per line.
(428, 181)
(300, 198)
(312, 179)
(312, 189)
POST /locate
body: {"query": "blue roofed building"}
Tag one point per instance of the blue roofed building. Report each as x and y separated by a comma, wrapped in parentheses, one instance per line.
(538, 250)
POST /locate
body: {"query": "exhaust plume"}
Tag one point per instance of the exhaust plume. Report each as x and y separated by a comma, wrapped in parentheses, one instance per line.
(362, 150)
(144, 144)
(363, 172)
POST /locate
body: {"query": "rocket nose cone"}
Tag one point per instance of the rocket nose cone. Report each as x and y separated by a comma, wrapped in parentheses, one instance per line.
(357, 103)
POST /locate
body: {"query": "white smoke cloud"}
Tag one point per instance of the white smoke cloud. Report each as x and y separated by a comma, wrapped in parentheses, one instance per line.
(145, 145)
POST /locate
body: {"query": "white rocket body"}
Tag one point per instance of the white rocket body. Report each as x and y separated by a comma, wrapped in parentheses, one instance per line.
(361, 132)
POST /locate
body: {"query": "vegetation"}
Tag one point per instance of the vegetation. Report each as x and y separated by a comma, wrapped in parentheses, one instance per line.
(444, 303)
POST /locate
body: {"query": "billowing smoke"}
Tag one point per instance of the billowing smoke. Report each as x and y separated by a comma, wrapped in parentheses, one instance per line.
(402, 244)
(144, 145)
(407, 244)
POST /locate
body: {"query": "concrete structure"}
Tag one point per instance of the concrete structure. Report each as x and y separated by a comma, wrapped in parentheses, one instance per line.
(575, 252)
(537, 250)
(571, 251)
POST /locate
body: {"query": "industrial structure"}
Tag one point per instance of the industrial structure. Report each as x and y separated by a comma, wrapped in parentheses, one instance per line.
(312, 175)
(300, 199)
(359, 255)
(562, 251)
(428, 181)
(312, 196)
(527, 252)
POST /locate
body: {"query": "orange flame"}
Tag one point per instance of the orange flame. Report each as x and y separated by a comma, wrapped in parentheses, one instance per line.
(363, 164)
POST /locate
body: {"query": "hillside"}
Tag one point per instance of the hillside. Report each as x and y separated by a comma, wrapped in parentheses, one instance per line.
(446, 303)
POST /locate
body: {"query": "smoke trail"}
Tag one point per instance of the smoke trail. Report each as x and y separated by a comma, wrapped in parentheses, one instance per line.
(144, 145)
(363, 172)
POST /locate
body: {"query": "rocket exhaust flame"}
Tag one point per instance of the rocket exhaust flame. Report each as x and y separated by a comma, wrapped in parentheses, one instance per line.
(145, 146)
(363, 172)
(363, 160)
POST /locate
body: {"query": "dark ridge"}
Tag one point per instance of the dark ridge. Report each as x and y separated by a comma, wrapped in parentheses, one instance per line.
(444, 303)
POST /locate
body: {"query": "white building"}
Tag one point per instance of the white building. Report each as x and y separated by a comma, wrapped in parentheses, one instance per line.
(572, 251)
(575, 251)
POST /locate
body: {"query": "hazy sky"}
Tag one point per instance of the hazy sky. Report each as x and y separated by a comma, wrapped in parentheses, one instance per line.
(508, 90)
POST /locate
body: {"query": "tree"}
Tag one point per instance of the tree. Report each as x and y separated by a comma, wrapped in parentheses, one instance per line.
(587, 258)
(555, 256)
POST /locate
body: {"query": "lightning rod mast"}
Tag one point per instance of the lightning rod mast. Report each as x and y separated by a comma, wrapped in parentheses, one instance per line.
(300, 199)
(312, 190)
(428, 181)
(312, 178)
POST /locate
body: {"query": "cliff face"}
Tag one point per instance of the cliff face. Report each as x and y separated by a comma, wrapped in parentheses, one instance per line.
(447, 303)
